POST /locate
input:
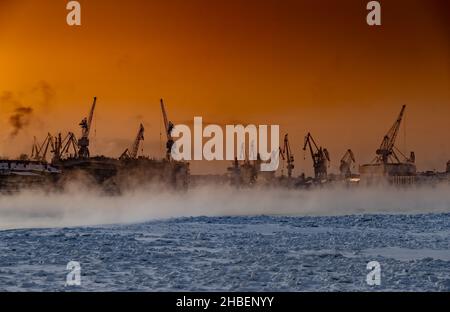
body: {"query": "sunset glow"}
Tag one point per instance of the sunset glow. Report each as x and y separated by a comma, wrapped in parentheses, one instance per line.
(303, 65)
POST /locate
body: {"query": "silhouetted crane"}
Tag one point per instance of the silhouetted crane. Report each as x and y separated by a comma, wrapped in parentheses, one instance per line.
(346, 162)
(168, 126)
(319, 155)
(286, 154)
(133, 152)
(386, 153)
(39, 152)
(83, 142)
(63, 147)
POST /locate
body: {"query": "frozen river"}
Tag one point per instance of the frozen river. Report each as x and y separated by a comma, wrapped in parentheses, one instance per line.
(254, 253)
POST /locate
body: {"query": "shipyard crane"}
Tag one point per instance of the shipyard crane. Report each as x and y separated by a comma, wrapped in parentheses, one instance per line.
(346, 162)
(44, 147)
(133, 152)
(39, 152)
(319, 155)
(286, 154)
(62, 147)
(83, 142)
(70, 142)
(386, 153)
(168, 127)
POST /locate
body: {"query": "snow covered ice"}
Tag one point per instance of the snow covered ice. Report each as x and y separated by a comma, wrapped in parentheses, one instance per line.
(228, 241)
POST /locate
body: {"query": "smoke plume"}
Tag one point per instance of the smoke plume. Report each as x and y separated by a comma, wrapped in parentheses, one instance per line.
(21, 115)
(20, 119)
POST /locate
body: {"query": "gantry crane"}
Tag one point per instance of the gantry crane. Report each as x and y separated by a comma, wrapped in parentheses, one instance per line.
(386, 153)
(346, 163)
(286, 154)
(83, 142)
(319, 155)
(133, 152)
(168, 127)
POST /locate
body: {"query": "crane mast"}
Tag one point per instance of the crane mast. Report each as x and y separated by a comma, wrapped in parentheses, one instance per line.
(83, 142)
(168, 126)
(319, 155)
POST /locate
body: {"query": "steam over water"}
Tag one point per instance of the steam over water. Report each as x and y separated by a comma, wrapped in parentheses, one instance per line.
(79, 206)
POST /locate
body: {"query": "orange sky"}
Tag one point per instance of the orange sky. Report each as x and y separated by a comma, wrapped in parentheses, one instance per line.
(306, 65)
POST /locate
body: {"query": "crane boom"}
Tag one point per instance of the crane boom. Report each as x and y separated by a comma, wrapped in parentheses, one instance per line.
(137, 141)
(168, 125)
(91, 116)
(348, 156)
